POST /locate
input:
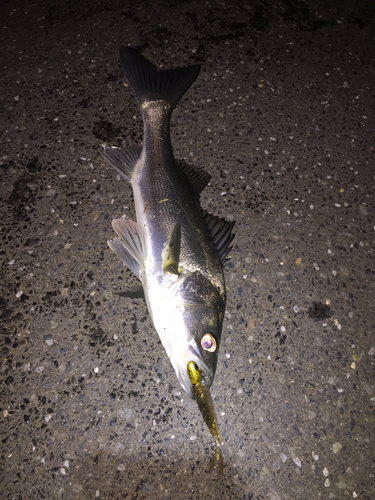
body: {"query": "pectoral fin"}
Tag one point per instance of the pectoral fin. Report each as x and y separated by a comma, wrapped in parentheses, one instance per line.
(130, 246)
(171, 252)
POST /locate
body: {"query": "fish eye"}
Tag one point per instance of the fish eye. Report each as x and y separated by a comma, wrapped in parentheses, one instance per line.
(208, 342)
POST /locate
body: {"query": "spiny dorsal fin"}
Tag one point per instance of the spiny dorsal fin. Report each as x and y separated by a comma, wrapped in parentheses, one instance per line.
(197, 177)
(123, 160)
(221, 234)
(171, 252)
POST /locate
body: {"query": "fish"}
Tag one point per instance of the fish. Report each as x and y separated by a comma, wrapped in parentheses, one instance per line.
(175, 248)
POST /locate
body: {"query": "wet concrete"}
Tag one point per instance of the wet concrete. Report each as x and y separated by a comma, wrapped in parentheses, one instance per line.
(282, 117)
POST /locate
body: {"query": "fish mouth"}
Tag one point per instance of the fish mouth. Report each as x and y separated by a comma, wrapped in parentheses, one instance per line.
(183, 376)
(186, 383)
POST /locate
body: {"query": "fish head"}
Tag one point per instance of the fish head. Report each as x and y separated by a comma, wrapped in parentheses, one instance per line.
(201, 313)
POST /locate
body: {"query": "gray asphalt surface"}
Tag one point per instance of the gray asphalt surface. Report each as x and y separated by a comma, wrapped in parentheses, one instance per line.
(282, 117)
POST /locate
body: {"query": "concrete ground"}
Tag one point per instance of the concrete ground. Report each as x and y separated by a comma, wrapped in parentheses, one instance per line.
(282, 117)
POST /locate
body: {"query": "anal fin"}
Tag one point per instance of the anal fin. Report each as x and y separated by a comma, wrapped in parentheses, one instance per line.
(123, 160)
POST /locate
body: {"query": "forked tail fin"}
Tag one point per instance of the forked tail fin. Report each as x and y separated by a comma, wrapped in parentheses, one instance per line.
(150, 84)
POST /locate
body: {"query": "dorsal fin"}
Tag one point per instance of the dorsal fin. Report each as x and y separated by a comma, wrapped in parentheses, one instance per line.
(123, 160)
(197, 177)
(221, 234)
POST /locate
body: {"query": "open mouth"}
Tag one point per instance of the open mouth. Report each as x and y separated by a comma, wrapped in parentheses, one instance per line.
(194, 373)
(184, 375)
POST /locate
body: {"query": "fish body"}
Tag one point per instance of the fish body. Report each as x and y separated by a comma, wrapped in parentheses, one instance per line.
(175, 248)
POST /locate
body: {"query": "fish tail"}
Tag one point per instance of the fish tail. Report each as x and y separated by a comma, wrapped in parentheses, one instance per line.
(150, 84)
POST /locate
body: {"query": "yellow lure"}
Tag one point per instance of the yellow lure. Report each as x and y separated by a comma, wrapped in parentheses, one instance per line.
(203, 398)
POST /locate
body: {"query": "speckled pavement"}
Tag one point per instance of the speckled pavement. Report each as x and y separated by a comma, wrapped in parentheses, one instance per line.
(282, 117)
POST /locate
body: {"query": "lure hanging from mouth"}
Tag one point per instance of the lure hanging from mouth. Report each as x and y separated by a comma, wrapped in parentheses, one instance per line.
(203, 398)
